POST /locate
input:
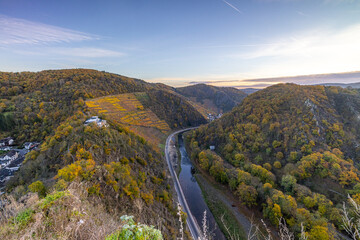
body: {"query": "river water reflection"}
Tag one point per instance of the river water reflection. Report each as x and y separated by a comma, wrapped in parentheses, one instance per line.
(193, 193)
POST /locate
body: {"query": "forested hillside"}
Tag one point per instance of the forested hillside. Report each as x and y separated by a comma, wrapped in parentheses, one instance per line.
(217, 99)
(33, 104)
(116, 168)
(176, 111)
(112, 167)
(288, 151)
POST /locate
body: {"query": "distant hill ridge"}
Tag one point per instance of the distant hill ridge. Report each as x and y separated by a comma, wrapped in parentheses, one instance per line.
(343, 85)
(344, 79)
(218, 99)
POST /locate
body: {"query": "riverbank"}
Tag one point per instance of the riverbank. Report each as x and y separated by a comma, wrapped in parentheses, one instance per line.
(228, 219)
(178, 158)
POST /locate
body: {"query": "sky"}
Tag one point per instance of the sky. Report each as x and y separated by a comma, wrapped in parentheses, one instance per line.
(178, 42)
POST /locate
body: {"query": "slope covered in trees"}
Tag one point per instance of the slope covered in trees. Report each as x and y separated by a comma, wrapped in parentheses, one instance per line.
(288, 151)
(33, 104)
(176, 111)
(217, 99)
(118, 168)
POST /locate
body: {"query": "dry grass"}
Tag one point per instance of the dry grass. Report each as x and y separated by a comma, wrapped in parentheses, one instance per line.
(9, 207)
(71, 216)
(127, 110)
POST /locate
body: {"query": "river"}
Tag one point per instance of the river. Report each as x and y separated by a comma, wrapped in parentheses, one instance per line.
(193, 193)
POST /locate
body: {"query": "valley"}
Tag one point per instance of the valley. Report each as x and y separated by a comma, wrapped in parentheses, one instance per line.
(180, 120)
(285, 153)
(106, 136)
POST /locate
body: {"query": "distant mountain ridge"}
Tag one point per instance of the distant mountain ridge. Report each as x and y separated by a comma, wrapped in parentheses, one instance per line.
(328, 79)
(343, 85)
(321, 78)
(217, 99)
(250, 90)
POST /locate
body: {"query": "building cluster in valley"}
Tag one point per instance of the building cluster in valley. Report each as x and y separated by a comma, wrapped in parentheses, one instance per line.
(11, 158)
(212, 117)
(6, 143)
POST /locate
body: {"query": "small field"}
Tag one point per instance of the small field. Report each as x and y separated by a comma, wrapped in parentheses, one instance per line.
(127, 110)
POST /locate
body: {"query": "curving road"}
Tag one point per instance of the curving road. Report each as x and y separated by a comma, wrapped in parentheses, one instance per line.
(191, 222)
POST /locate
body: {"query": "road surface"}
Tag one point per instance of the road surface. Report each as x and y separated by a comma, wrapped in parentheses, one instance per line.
(191, 222)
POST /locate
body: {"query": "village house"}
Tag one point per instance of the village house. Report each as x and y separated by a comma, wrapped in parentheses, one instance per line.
(212, 117)
(6, 148)
(9, 156)
(31, 145)
(6, 142)
(95, 119)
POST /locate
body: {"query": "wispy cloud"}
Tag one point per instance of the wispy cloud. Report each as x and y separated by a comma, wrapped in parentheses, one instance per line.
(311, 52)
(20, 31)
(87, 52)
(232, 6)
(302, 13)
(17, 35)
(339, 1)
(316, 44)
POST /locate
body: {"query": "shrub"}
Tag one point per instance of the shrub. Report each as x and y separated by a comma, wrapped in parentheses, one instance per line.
(277, 164)
(94, 190)
(247, 194)
(133, 231)
(293, 157)
(60, 185)
(51, 198)
(23, 217)
(83, 169)
(147, 197)
(267, 166)
(288, 183)
(279, 155)
(38, 187)
(319, 232)
(141, 161)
